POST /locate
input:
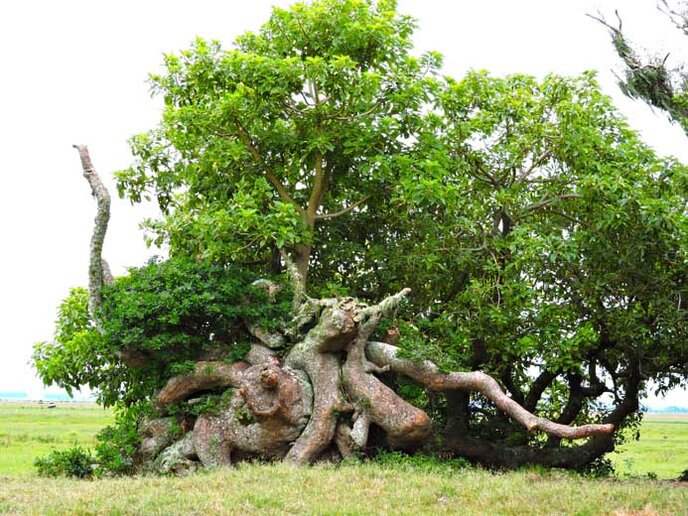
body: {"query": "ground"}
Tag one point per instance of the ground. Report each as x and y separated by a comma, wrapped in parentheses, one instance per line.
(393, 486)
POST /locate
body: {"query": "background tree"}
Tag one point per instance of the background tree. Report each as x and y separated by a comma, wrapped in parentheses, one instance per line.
(653, 79)
(542, 241)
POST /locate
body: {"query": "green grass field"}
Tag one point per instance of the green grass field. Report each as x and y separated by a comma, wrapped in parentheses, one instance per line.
(369, 488)
(30, 430)
(662, 449)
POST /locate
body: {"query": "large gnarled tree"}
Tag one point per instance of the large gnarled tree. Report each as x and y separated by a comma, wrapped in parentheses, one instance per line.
(428, 228)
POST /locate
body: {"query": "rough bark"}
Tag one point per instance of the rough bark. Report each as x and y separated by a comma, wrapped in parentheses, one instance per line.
(206, 376)
(406, 426)
(326, 393)
(98, 270)
(267, 413)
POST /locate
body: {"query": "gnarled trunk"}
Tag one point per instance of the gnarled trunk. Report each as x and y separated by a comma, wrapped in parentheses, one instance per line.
(325, 394)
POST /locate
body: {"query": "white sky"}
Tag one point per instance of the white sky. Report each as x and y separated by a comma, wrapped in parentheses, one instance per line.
(74, 71)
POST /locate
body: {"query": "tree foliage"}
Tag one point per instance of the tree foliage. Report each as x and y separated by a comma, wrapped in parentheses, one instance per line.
(164, 316)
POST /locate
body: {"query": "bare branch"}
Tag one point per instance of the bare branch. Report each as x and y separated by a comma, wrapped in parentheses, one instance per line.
(98, 270)
(325, 216)
(536, 163)
(550, 200)
(680, 19)
(600, 18)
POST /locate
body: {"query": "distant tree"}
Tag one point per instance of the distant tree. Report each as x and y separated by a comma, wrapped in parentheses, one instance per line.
(351, 235)
(652, 79)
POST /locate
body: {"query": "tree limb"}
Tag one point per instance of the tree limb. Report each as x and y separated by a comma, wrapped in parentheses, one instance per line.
(205, 376)
(98, 270)
(550, 200)
(269, 174)
(680, 19)
(405, 425)
(429, 375)
(319, 188)
(344, 211)
(297, 282)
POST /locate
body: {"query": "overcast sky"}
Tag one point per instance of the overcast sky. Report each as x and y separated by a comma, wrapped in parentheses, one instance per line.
(75, 71)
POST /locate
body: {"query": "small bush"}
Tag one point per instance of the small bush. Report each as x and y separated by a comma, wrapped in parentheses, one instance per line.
(74, 462)
(601, 467)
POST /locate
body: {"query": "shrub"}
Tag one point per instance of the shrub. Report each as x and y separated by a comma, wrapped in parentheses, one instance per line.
(73, 462)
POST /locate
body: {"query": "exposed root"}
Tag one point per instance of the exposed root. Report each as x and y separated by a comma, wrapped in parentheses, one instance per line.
(265, 415)
(344, 325)
(259, 355)
(327, 392)
(324, 374)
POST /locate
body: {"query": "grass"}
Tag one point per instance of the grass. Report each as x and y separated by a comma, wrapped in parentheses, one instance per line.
(347, 489)
(410, 487)
(662, 449)
(30, 430)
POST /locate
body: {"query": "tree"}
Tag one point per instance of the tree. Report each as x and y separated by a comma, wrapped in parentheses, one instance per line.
(352, 237)
(652, 79)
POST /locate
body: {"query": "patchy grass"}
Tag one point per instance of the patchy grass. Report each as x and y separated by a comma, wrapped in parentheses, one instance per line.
(662, 449)
(31, 430)
(347, 489)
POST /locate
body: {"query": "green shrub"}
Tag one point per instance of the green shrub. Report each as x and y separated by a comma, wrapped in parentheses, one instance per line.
(74, 462)
(117, 444)
(166, 313)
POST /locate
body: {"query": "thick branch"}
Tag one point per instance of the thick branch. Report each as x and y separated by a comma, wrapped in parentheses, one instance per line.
(298, 282)
(270, 339)
(499, 455)
(406, 426)
(429, 375)
(205, 376)
(319, 189)
(387, 306)
(98, 270)
(537, 389)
